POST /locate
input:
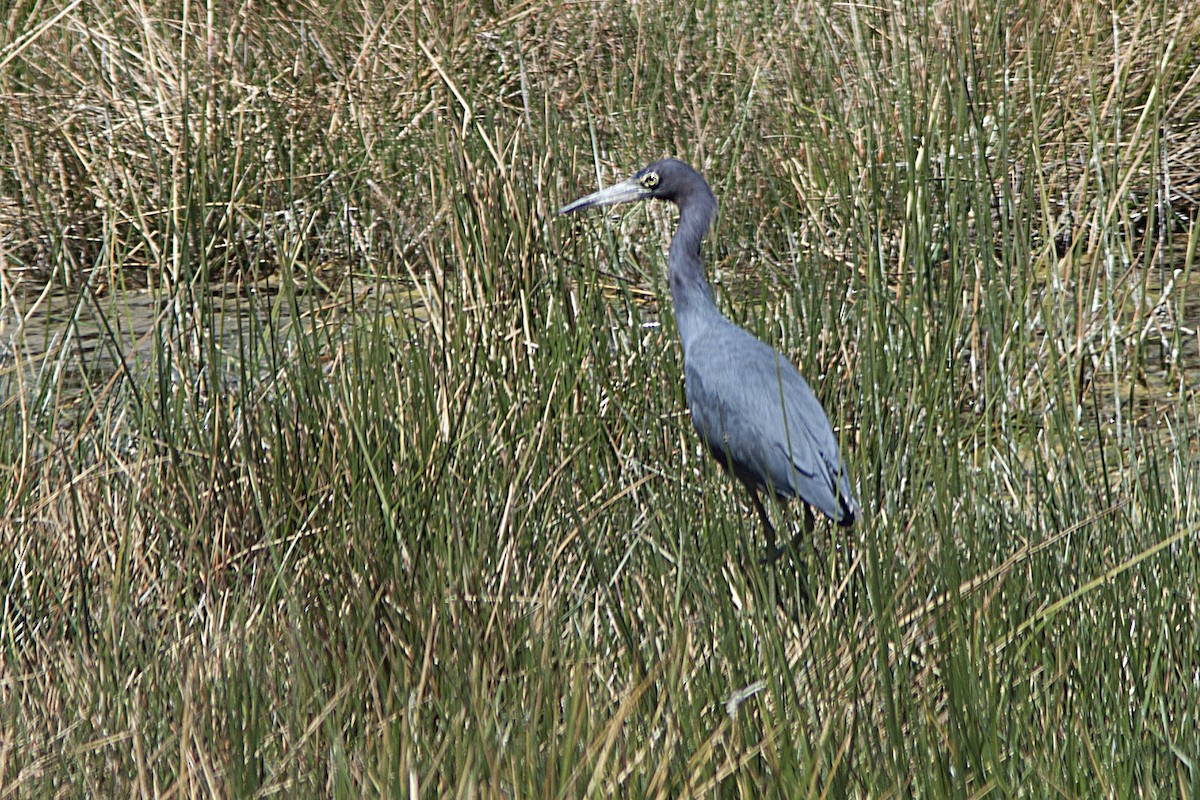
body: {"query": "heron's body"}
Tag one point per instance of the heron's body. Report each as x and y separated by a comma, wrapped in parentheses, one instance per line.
(756, 414)
(753, 410)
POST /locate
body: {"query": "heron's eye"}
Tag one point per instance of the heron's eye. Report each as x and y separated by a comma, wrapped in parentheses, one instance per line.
(650, 180)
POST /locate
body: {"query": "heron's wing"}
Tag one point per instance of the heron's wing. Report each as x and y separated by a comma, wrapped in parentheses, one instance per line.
(819, 445)
(762, 421)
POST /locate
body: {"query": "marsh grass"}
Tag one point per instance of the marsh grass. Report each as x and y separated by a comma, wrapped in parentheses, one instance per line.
(339, 545)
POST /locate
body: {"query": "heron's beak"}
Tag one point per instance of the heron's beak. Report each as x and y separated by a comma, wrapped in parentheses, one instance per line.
(619, 193)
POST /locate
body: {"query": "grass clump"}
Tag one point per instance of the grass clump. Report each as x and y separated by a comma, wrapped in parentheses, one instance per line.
(331, 463)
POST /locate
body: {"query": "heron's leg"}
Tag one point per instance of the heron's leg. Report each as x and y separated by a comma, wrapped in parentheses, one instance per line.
(796, 544)
(810, 524)
(773, 552)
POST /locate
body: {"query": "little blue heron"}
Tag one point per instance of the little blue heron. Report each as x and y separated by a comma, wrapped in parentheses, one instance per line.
(752, 409)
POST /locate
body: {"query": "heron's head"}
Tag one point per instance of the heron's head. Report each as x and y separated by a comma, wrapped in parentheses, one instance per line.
(669, 179)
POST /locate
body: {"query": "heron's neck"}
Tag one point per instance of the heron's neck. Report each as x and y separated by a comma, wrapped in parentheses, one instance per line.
(690, 292)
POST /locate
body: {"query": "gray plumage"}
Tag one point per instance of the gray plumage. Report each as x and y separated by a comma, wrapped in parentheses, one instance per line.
(755, 413)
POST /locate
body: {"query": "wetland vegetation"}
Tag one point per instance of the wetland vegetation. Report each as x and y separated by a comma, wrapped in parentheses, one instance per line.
(332, 464)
